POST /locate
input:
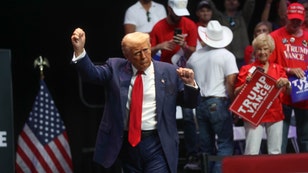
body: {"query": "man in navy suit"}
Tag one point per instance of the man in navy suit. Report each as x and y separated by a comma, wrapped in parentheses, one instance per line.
(164, 87)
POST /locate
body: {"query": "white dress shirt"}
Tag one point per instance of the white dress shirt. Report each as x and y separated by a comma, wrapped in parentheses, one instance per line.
(149, 103)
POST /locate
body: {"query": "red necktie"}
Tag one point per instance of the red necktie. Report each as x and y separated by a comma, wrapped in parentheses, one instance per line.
(134, 131)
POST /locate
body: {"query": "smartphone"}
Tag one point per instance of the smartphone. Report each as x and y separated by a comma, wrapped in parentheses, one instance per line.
(177, 31)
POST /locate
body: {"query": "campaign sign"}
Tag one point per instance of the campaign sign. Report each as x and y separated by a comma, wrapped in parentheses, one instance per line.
(255, 98)
(299, 88)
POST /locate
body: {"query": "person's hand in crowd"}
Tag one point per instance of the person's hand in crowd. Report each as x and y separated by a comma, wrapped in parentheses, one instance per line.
(248, 78)
(180, 39)
(298, 72)
(166, 45)
(283, 82)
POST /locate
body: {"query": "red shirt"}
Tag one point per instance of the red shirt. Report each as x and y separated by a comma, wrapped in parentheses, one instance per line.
(276, 71)
(163, 31)
(248, 54)
(290, 52)
(197, 25)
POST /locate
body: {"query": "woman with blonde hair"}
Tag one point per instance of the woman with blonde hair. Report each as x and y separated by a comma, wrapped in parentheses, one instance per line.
(272, 121)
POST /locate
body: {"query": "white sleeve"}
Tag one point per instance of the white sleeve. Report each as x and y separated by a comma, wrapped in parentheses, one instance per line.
(75, 59)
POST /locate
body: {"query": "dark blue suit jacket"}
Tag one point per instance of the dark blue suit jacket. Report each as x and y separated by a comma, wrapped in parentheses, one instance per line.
(115, 75)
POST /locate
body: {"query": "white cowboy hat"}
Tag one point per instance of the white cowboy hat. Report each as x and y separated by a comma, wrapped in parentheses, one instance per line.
(215, 35)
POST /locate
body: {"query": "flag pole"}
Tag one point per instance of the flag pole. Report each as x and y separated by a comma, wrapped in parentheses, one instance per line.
(41, 62)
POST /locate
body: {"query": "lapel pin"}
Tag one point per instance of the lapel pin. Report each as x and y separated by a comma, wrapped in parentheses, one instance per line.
(284, 41)
(305, 43)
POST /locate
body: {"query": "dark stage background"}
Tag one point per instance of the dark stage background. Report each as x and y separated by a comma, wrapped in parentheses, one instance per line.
(33, 28)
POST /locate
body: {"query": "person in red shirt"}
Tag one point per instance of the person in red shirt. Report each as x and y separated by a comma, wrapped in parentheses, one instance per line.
(163, 35)
(176, 38)
(272, 121)
(292, 53)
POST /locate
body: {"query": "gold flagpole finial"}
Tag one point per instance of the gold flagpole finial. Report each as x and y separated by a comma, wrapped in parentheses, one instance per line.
(41, 62)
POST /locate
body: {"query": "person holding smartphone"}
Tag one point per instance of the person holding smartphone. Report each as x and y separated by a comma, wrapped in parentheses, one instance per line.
(176, 37)
(174, 32)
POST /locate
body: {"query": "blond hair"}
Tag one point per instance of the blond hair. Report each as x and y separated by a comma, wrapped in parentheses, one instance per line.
(133, 40)
(263, 39)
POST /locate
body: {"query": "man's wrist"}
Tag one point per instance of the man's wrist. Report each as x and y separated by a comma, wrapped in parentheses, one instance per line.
(194, 84)
(80, 56)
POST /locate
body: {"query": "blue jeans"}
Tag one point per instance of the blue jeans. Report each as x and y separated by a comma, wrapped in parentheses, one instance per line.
(190, 132)
(301, 118)
(215, 119)
(147, 156)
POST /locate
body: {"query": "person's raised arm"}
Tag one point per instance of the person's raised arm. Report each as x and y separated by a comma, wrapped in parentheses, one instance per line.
(266, 11)
(282, 10)
(78, 39)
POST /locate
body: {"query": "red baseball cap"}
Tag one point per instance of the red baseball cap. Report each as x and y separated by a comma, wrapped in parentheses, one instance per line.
(296, 11)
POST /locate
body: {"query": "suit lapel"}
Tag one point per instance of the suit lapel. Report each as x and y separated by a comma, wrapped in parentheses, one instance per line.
(160, 85)
(125, 74)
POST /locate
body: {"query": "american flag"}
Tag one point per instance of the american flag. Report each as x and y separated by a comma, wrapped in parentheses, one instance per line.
(43, 143)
